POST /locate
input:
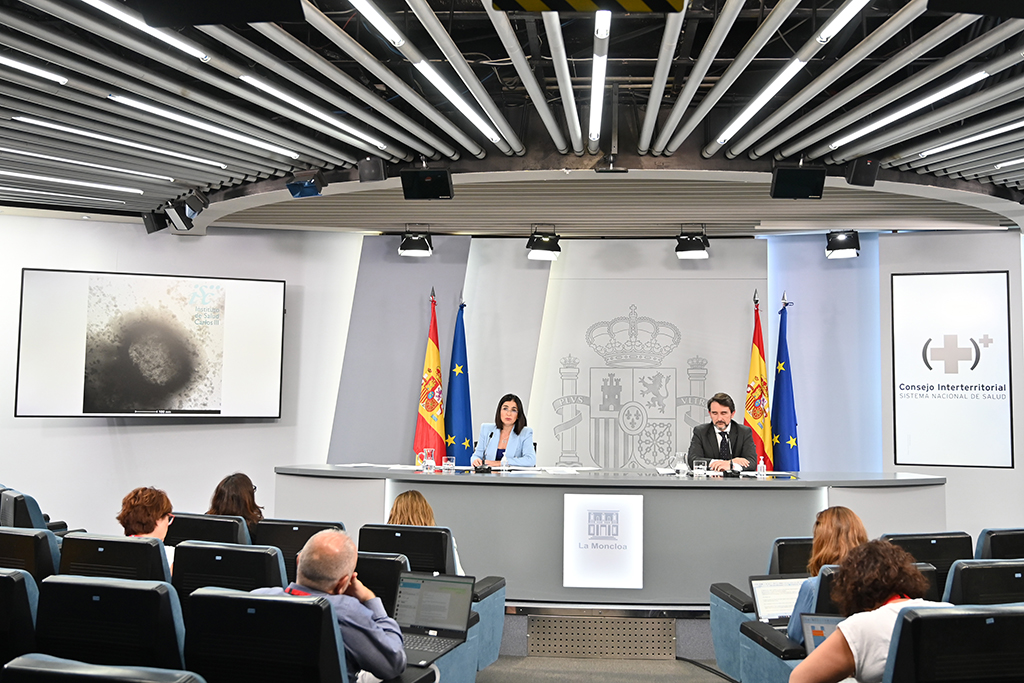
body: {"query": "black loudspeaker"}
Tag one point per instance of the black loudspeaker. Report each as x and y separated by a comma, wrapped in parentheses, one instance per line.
(798, 182)
(161, 13)
(372, 169)
(154, 222)
(427, 183)
(862, 172)
(997, 8)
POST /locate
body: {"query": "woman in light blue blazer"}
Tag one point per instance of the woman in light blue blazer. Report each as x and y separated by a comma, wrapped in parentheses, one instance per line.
(506, 438)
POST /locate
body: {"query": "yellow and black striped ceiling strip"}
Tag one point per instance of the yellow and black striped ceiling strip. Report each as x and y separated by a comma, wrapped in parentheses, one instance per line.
(659, 6)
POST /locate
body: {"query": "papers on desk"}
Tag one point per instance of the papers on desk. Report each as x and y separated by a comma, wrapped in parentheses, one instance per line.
(560, 470)
(403, 467)
(359, 464)
(665, 470)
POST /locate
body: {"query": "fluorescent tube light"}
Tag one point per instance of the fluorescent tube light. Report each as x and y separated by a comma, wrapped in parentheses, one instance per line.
(1004, 164)
(203, 125)
(137, 22)
(21, 190)
(117, 141)
(441, 84)
(758, 103)
(602, 24)
(35, 71)
(597, 97)
(973, 138)
(299, 104)
(840, 20)
(76, 162)
(379, 22)
(910, 109)
(65, 181)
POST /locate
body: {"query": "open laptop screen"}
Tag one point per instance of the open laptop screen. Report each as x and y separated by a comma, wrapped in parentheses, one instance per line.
(818, 627)
(434, 602)
(775, 596)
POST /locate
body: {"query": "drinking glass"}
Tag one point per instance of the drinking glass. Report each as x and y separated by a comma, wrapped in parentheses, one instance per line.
(681, 467)
(448, 466)
(428, 460)
(700, 467)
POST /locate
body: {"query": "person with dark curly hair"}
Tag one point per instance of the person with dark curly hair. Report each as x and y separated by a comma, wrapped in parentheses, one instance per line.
(236, 495)
(875, 581)
(146, 513)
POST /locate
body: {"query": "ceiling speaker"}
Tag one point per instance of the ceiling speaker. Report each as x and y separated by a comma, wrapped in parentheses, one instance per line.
(862, 172)
(798, 182)
(161, 13)
(427, 183)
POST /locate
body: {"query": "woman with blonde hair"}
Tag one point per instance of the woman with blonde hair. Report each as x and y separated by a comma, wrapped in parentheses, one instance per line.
(837, 531)
(413, 509)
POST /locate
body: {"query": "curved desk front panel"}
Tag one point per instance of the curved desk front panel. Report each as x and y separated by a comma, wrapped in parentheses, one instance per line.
(695, 532)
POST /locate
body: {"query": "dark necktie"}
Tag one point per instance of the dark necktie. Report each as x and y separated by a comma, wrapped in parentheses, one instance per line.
(724, 447)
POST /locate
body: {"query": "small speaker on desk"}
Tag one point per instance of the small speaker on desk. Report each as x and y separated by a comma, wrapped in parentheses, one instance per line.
(427, 183)
(798, 182)
(862, 172)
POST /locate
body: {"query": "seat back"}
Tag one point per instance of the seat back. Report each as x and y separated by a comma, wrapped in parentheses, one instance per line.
(939, 549)
(1000, 544)
(189, 526)
(985, 582)
(19, 597)
(380, 572)
(289, 535)
(429, 548)
(119, 557)
(37, 668)
(110, 621)
(198, 564)
(790, 555)
(34, 550)
(957, 645)
(20, 510)
(263, 638)
(826, 577)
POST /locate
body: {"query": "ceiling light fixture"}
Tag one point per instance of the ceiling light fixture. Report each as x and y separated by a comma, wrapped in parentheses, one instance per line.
(602, 29)
(66, 181)
(203, 125)
(910, 109)
(379, 22)
(76, 162)
(117, 141)
(441, 84)
(842, 244)
(973, 138)
(21, 190)
(543, 246)
(138, 22)
(35, 71)
(416, 244)
(692, 245)
(1004, 164)
(839, 21)
(311, 110)
(758, 103)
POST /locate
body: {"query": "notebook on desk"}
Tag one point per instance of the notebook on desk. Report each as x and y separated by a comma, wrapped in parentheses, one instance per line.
(433, 612)
(774, 597)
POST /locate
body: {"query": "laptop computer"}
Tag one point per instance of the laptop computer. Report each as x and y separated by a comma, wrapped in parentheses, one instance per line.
(774, 597)
(818, 627)
(433, 612)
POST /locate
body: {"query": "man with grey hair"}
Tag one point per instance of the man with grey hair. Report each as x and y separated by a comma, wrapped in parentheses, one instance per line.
(373, 640)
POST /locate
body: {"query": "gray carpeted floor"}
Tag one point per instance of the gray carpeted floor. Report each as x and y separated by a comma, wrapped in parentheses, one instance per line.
(539, 669)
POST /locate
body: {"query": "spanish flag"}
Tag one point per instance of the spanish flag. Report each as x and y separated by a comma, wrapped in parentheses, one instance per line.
(430, 421)
(757, 416)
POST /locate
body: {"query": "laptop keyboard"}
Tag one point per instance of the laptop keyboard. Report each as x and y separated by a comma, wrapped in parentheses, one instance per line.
(427, 643)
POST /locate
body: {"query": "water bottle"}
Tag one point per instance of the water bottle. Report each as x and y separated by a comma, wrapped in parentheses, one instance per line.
(762, 469)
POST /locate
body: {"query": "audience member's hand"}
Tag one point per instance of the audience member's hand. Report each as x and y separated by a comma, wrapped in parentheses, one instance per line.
(357, 590)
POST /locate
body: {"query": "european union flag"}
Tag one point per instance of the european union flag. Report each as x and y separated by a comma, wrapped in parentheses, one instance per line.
(787, 449)
(458, 417)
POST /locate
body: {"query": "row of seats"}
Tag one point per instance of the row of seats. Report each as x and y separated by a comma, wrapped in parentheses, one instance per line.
(227, 636)
(21, 510)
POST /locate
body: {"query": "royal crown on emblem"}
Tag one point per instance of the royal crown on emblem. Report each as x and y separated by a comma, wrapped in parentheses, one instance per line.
(633, 340)
(570, 362)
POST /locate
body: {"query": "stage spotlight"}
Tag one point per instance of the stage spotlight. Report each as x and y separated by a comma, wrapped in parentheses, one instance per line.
(306, 184)
(178, 213)
(692, 245)
(195, 202)
(543, 246)
(416, 244)
(842, 244)
(154, 222)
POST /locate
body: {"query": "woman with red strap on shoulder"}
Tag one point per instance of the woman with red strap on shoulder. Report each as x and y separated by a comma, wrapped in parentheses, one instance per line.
(875, 581)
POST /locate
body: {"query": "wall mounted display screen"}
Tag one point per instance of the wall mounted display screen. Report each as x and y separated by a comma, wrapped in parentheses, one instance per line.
(951, 369)
(119, 344)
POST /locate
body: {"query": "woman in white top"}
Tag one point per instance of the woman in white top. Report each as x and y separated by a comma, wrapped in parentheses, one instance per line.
(875, 581)
(146, 513)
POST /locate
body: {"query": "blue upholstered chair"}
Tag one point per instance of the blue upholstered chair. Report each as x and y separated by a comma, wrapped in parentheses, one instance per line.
(939, 549)
(460, 665)
(19, 509)
(489, 603)
(101, 620)
(790, 555)
(37, 668)
(34, 550)
(985, 582)
(200, 564)
(19, 598)
(190, 526)
(730, 607)
(120, 557)
(289, 535)
(1000, 544)
(968, 644)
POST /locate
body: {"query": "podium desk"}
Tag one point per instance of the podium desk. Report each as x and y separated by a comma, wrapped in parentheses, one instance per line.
(695, 531)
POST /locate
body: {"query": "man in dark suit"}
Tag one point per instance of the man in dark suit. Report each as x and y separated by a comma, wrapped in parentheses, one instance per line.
(727, 445)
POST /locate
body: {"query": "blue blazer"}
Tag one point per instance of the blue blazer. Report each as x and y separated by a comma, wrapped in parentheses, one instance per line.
(519, 449)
